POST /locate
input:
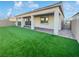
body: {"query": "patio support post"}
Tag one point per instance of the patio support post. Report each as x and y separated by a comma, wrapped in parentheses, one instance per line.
(56, 22)
(22, 22)
(32, 22)
(16, 22)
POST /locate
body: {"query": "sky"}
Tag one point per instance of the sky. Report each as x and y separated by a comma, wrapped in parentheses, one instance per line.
(12, 8)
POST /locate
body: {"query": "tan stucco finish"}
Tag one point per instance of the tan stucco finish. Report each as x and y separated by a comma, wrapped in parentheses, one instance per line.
(75, 26)
(12, 19)
(49, 25)
(6, 23)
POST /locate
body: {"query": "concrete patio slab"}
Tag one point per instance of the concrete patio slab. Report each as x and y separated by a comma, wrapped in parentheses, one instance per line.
(66, 33)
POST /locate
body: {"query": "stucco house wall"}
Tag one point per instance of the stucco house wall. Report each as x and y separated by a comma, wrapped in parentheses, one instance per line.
(13, 19)
(49, 25)
(75, 26)
(6, 23)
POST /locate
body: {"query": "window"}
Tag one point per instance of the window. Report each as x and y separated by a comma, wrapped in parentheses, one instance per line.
(19, 23)
(44, 19)
(27, 21)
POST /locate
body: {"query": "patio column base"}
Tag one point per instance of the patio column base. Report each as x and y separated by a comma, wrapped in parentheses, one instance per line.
(56, 22)
(32, 22)
(22, 22)
(56, 32)
(16, 22)
(78, 41)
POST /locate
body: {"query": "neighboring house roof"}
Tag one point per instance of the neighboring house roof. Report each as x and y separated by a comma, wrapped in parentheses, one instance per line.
(71, 18)
(75, 14)
(59, 4)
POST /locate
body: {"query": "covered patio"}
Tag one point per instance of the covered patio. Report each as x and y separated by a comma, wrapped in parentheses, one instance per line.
(34, 22)
(47, 18)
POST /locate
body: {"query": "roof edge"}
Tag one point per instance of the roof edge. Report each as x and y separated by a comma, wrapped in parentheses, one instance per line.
(58, 4)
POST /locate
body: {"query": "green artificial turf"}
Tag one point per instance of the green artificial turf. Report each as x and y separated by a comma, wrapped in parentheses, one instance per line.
(16, 41)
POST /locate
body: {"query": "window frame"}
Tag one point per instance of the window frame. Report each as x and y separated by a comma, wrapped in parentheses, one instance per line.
(44, 21)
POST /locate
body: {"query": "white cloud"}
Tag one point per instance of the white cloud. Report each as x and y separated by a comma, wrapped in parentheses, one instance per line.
(18, 3)
(0, 13)
(32, 5)
(9, 13)
(17, 6)
(68, 7)
(77, 2)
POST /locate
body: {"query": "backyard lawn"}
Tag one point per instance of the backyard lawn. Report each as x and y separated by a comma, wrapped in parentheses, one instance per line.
(16, 41)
